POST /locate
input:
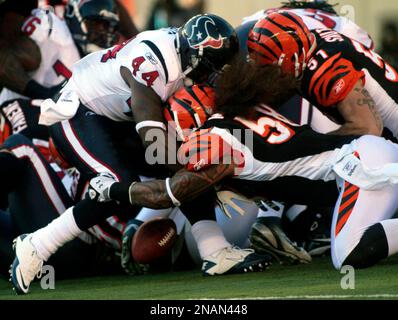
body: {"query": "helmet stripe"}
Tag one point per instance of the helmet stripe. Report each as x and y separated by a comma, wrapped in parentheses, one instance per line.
(269, 34)
(193, 95)
(187, 107)
(288, 31)
(254, 46)
(298, 23)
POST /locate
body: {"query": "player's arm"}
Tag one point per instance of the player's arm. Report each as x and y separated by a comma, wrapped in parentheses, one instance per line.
(22, 55)
(16, 60)
(183, 186)
(159, 194)
(360, 114)
(205, 167)
(146, 107)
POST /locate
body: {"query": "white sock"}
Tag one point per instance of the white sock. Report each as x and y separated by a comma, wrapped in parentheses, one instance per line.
(391, 229)
(209, 237)
(267, 211)
(147, 214)
(61, 230)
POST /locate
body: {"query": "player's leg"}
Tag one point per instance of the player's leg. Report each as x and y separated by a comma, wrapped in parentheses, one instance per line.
(219, 255)
(236, 225)
(39, 191)
(309, 226)
(267, 235)
(363, 228)
(93, 145)
(39, 198)
(19, 116)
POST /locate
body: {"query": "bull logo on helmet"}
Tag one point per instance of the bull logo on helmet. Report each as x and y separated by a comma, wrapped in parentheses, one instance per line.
(204, 34)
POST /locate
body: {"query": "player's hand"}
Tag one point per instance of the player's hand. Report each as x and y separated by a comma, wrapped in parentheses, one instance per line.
(100, 187)
(127, 261)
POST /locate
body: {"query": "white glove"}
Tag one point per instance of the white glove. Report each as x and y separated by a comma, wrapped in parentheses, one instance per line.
(100, 187)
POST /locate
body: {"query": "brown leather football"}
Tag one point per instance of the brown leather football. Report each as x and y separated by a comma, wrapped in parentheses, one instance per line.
(153, 240)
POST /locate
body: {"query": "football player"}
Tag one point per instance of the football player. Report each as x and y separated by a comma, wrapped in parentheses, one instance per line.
(39, 195)
(55, 38)
(186, 111)
(36, 196)
(87, 26)
(47, 47)
(345, 80)
(348, 82)
(281, 159)
(107, 92)
(316, 14)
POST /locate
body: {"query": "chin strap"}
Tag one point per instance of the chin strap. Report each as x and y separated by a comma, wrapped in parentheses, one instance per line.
(194, 60)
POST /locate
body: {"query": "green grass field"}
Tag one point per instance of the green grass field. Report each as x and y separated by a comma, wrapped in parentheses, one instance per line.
(317, 280)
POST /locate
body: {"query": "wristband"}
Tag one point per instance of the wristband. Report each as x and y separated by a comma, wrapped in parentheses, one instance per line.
(119, 191)
(171, 195)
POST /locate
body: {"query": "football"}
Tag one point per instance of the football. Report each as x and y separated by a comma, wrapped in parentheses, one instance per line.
(153, 240)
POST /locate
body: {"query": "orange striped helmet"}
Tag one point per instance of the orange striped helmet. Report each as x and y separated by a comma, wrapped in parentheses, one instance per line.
(189, 108)
(281, 38)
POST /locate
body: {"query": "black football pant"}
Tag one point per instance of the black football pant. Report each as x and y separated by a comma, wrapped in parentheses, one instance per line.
(37, 199)
(95, 144)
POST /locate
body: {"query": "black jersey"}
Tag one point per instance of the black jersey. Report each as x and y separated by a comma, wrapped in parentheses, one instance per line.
(337, 64)
(271, 151)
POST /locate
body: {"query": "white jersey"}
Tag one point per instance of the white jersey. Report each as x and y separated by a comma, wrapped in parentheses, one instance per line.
(318, 19)
(57, 49)
(153, 61)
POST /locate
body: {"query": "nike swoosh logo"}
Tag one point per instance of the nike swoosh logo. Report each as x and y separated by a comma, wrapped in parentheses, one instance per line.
(24, 286)
(235, 260)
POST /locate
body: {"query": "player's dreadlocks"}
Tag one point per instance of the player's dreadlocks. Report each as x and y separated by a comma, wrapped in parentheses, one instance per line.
(313, 4)
(242, 86)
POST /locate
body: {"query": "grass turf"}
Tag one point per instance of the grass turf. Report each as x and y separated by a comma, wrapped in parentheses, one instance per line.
(317, 280)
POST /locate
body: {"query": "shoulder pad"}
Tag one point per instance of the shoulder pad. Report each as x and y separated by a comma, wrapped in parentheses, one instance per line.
(333, 81)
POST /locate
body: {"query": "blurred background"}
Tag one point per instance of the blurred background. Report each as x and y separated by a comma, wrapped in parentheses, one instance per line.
(378, 17)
